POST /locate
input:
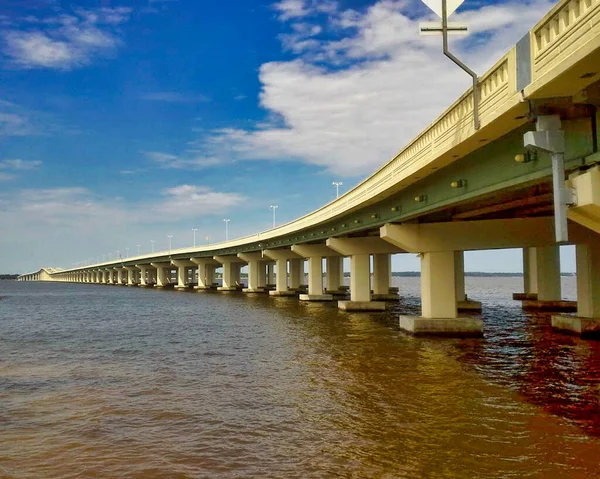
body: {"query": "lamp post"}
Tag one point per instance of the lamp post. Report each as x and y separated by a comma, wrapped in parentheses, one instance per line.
(274, 207)
(126, 252)
(138, 247)
(226, 220)
(170, 237)
(208, 240)
(152, 243)
(337, 185)
(194, 231)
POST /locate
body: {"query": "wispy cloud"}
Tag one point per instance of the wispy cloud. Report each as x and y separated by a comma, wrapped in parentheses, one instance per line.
(64, 41)
(173, 97)
(191, 160)
(19, 165)
(6, 176)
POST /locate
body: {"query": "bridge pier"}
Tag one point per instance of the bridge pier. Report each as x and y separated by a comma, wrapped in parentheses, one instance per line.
(334, 266)
(162, 281)
(586, 322)
(206, 272)
(132, 276)
(296, 278)
(544, 264)
(182, 273)
(231, 272)
(462, 302)
(256, 272)
(314, 254)
(382, 271)
(281, 257)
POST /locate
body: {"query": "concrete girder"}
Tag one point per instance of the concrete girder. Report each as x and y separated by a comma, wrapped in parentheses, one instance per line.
(281, 254)
(365, 245)
(228, 259)
(314, 250)
(481, 234)
(587, 190)
(183, 263)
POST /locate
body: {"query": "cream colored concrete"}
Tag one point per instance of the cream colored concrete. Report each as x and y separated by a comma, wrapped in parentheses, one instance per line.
(132, 279)
(256, 272)
(588, 280)
(360, 273)
(382, 270)
(455, 327)
(182, 272)
(367, 245)
(231, 272)
(361, 306)
(587, 191)
(315, 253)
(296, 278)
(119, 276)
(481, 234)
(335, 272)
(438, 290)
(206, 272)
(161, 274)
(548, 273)
(281, 257)
(530, 279)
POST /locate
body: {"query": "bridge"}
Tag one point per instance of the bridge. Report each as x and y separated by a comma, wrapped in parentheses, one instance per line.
(454, 188)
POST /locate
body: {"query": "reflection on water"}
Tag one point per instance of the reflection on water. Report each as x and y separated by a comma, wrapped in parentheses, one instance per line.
(99, 381)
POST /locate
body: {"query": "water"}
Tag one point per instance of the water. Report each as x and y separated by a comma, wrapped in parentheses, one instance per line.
(100, 381)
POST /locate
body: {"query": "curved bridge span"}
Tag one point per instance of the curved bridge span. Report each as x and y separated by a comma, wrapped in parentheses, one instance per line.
(452, 189)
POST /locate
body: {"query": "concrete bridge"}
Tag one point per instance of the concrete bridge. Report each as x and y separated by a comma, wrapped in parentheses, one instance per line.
(452, 189)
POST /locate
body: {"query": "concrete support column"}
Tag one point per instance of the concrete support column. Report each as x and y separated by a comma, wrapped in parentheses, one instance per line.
(206, 272)
(256, 272)
(281, 275)
(143, 271)
(334, 266)
(462, 303)
(296, 273)
(182, 272)
(109, 274)
(586, 322)
(281, 257)
(132, 276)
(161, 274)
(360, 277)
(119, 276)
(438, 300)
(271, 273)
(231, 272)
(382, 274)
(546, 272)
(438, 287)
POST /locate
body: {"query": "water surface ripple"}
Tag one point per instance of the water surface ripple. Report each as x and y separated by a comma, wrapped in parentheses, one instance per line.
(101, 381)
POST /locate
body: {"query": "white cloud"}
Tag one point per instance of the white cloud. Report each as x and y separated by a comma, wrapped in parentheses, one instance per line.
(291, 9)
(190, 160)
(18, 164)
(65, 41)
(6, 176)
(349, 102)
(192, 201)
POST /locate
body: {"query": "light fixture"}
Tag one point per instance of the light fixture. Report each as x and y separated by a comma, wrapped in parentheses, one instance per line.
(458, 183)
(395, 208)
(374, 216)
(526, 157)
(420, 198)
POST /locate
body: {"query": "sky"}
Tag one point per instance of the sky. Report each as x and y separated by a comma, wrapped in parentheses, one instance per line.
(125, 122)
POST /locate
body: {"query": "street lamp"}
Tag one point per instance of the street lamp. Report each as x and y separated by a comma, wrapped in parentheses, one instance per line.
(208, 240)
(126, 252)
(337, 185)
(152, 243)
(226, 220)
(169, 236)
(138, 247)
(194, 231)
(274, 207)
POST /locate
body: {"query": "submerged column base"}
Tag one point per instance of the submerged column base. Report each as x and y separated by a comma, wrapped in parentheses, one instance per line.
(524, 296)
(566, 306)
(577, 325)
(229, 288)
(282, 293)
(316, 297)
(455, 327)
(468, 305)
(254, 290)
(361, 305)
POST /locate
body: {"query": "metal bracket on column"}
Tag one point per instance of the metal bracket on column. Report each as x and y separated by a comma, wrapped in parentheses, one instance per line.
(550, 138)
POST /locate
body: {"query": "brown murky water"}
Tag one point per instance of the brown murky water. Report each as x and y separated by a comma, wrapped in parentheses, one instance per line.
(99, 381)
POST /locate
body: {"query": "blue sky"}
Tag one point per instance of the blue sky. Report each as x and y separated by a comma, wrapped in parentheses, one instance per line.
(126, 121)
